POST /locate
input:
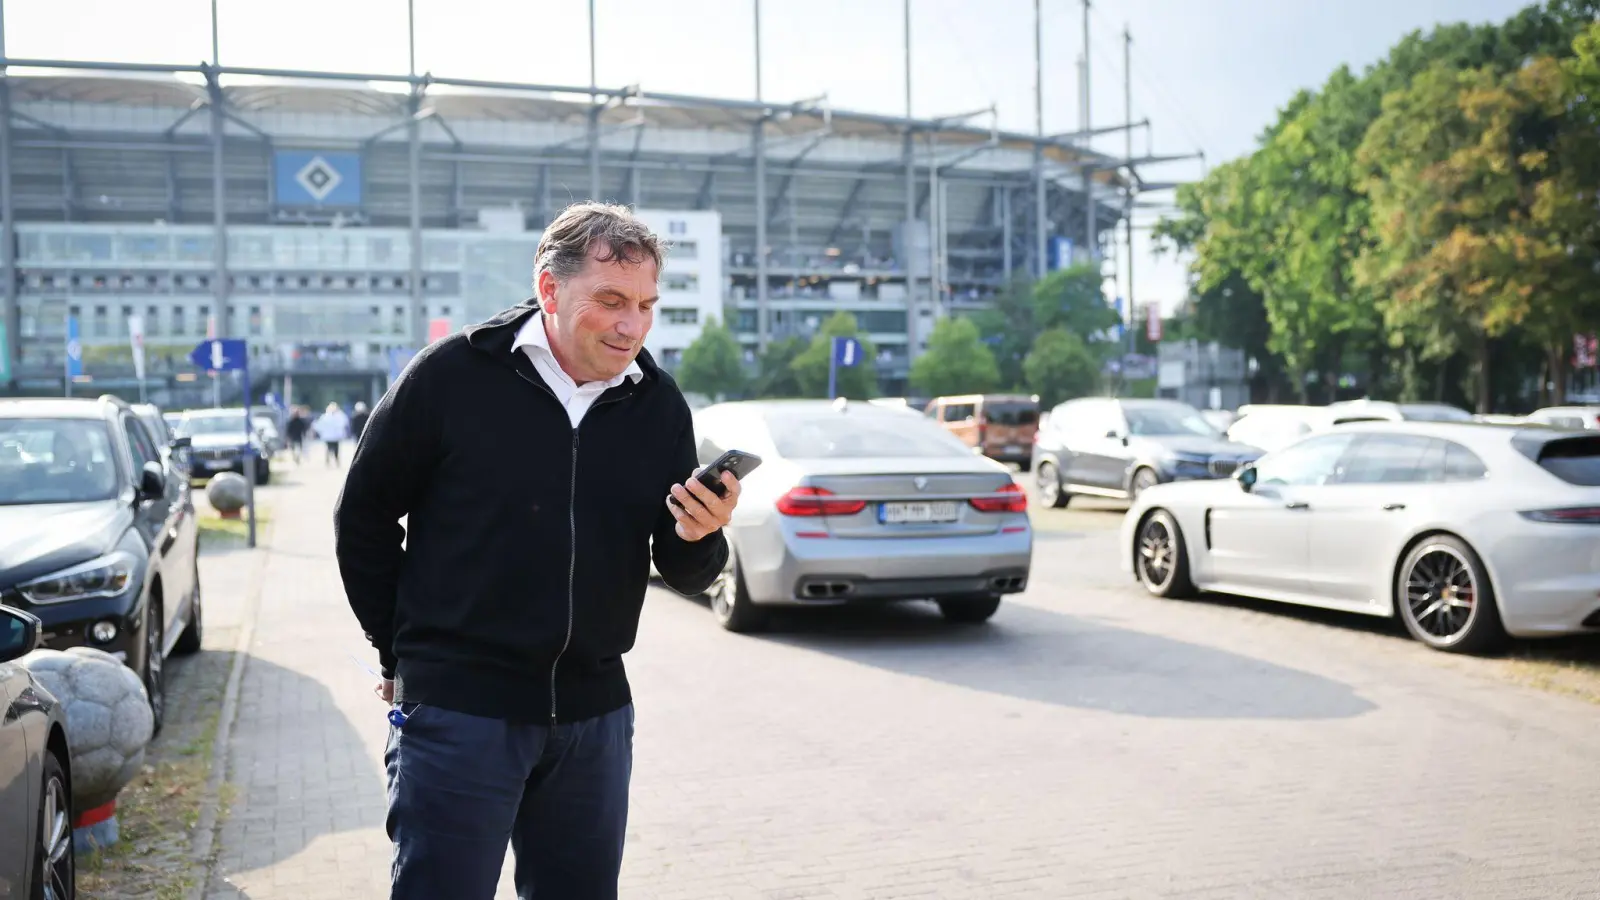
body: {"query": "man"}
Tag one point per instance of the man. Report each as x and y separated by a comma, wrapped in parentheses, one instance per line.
(295, 431)
(534, 455)
(358, 420)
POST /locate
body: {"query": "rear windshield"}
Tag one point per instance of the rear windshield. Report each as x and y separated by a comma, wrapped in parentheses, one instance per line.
(1575, 461)
(1011, 413)
(853, 435)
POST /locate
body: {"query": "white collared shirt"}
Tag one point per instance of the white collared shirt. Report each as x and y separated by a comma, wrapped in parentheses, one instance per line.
(533, 340)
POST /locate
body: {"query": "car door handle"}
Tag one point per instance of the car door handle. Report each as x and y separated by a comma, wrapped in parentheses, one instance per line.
(1297, 504)
(1393, 507)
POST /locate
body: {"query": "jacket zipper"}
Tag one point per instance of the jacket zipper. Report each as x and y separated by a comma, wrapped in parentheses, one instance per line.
(572, 541)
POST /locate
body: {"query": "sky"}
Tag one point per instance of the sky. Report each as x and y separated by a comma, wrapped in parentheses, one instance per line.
(1209, 74)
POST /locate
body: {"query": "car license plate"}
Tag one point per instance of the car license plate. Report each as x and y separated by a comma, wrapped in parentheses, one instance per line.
(915, 513)
(218, 463)
(1013, 449)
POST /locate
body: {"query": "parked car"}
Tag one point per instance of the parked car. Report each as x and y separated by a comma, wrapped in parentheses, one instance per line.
(1220, 419)
(1583, 418)
(1467, 532)
(1365, 410)
(97, 536)
(36, 853)
(1270, 426)
(1000, 426)
(217, 442)
(1104, 447)
(858, 503)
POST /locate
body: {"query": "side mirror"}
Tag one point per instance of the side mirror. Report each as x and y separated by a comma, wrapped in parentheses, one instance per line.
(152, 481)
(20, 633)
(1246, 476)
(182, 443)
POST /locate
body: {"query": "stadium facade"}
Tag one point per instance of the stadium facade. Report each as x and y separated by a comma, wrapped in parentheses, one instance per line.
(333, 219)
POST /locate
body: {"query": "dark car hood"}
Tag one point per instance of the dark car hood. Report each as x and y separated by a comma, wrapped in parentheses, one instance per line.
(1197, 445)
(37, 539)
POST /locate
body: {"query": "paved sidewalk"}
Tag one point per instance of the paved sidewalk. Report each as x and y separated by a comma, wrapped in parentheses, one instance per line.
(306, 751)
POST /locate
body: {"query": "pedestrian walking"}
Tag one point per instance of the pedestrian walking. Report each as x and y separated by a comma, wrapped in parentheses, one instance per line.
(533, 456)
(358, 420)
(332, 429)
(294, 431)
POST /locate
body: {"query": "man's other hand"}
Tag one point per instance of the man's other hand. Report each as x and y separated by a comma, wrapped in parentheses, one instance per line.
(702, 512)
(385, 690)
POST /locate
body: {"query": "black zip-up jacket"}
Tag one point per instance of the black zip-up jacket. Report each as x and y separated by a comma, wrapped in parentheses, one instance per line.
(528, 542)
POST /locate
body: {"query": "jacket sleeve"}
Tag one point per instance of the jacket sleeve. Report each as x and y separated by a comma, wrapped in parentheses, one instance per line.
(388, 476)
(687, 567)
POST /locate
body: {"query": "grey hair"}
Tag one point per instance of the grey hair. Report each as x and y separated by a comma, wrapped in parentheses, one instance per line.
(564, 248)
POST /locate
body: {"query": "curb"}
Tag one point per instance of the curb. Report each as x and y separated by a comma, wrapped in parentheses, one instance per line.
(208, 820)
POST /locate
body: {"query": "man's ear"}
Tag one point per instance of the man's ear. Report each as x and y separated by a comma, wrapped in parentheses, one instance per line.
(546, 289)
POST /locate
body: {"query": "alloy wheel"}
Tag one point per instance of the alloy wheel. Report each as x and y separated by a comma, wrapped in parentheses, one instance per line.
(1156, 552)
(1441, 592)
(154, 663)
(56, 842)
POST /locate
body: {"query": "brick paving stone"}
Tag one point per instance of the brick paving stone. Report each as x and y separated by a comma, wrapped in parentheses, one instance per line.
(1089, 742)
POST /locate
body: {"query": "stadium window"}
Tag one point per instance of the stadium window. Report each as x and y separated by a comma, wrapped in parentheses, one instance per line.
(685, 250)
(682, 281)
(678, 316)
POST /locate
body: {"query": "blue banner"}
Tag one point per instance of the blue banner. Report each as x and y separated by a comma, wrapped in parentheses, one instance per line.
(321, 178)
(74, 349)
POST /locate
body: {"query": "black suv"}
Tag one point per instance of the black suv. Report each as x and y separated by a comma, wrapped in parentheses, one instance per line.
(98, 536)
(1114, 448)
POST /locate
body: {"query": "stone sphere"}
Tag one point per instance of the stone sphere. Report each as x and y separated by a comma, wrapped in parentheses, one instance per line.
(228, 492)
(108, 718)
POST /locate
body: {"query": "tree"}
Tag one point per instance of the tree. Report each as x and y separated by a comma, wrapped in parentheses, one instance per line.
(713, 365)
(810, 368)
(1482, 205)
(957, 361)
(775, 377)
(1060, 367)
(1068, 298)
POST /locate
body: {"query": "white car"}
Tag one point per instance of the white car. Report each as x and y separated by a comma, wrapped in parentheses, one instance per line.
(1584, 417)
(1467, 532)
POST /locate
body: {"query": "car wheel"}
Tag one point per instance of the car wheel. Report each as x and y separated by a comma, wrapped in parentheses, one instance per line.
(154, 663)
(263, 472)
(1143, 480)
(969, 610)
(1051, 493)
(730, 600)
(54, 863)
(1161, 558)
(1445, 599)
(189, 641)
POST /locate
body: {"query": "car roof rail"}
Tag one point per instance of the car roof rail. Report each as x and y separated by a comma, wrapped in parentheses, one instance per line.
(114, 400)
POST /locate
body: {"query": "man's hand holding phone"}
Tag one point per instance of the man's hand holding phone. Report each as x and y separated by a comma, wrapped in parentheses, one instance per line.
(699, 510)
(706, 501)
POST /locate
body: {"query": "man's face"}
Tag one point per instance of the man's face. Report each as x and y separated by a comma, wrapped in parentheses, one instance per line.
(599, 317)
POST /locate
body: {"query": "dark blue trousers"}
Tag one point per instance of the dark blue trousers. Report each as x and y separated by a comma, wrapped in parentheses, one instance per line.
(463, 787)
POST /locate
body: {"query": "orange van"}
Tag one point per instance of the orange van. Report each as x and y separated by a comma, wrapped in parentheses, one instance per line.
(1000, 426)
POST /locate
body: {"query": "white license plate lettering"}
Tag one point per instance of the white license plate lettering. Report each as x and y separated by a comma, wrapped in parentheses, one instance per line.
(916, 513)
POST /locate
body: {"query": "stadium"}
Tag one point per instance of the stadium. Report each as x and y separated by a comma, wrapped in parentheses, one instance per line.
(337, 221)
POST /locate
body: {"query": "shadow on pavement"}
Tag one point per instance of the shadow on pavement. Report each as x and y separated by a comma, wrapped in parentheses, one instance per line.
(1039, 655)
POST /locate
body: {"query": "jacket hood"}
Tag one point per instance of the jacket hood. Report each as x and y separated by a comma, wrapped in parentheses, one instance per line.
(496, 334)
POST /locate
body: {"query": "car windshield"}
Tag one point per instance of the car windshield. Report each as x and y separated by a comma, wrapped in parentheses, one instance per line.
(858, 435)
(1157, 421)
(213, 425)
(55, 461)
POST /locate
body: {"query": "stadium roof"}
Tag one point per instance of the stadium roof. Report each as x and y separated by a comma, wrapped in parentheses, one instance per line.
(248, 90)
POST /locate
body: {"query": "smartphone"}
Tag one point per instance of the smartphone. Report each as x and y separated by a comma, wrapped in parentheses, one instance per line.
(739, 462)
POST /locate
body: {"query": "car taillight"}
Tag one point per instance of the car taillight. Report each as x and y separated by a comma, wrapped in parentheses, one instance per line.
(1589, 515)
(1013, 500)
(815, 501)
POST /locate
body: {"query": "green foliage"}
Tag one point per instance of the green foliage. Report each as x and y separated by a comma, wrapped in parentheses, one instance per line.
(1070, 298)
(776, 377)
(810, 367)
(1059, 367)
(1439, 205)
(957, 361)
(713, 365)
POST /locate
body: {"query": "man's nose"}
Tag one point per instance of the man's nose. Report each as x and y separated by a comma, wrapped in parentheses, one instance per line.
(632, 325)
